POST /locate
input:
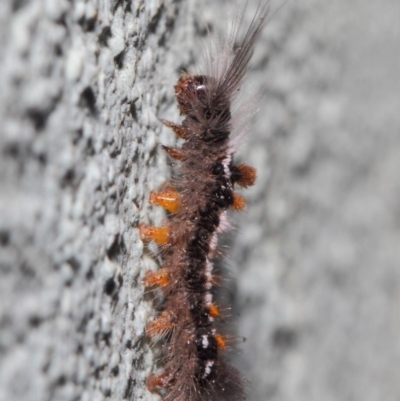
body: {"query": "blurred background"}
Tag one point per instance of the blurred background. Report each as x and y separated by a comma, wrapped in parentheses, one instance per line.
(315, 286)
(316, 255)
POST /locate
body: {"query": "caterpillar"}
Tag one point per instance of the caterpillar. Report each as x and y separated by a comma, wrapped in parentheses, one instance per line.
(197, 201)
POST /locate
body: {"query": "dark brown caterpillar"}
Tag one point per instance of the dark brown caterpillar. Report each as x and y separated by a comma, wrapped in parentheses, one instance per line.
(193, 369)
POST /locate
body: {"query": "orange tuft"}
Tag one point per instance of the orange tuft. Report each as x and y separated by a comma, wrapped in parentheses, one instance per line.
(161, 324)
(247, 175)
(213, 309)
(238, 202)
(159, 278)
(175, 153)
(179, 130)
(170, 199)
(221, 343)
(158, 234)
(154, 381)
(182, 84)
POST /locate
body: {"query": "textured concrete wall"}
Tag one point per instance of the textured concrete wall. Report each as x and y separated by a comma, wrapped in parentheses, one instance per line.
(82, 84)
(316, 255)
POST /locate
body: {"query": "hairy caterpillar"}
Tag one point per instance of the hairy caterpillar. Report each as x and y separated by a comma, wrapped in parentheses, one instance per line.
(197, 201)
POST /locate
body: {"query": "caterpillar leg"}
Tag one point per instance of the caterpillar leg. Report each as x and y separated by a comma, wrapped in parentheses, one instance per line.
(158, 278)
(157, 234)
(170, 199)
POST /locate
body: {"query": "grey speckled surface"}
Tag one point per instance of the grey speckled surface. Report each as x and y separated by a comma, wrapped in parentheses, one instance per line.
(317, 255)
(81, 86)
(315, 258)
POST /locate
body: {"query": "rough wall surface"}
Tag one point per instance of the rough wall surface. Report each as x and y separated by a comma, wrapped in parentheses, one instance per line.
(81, 85)
(316, 255)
